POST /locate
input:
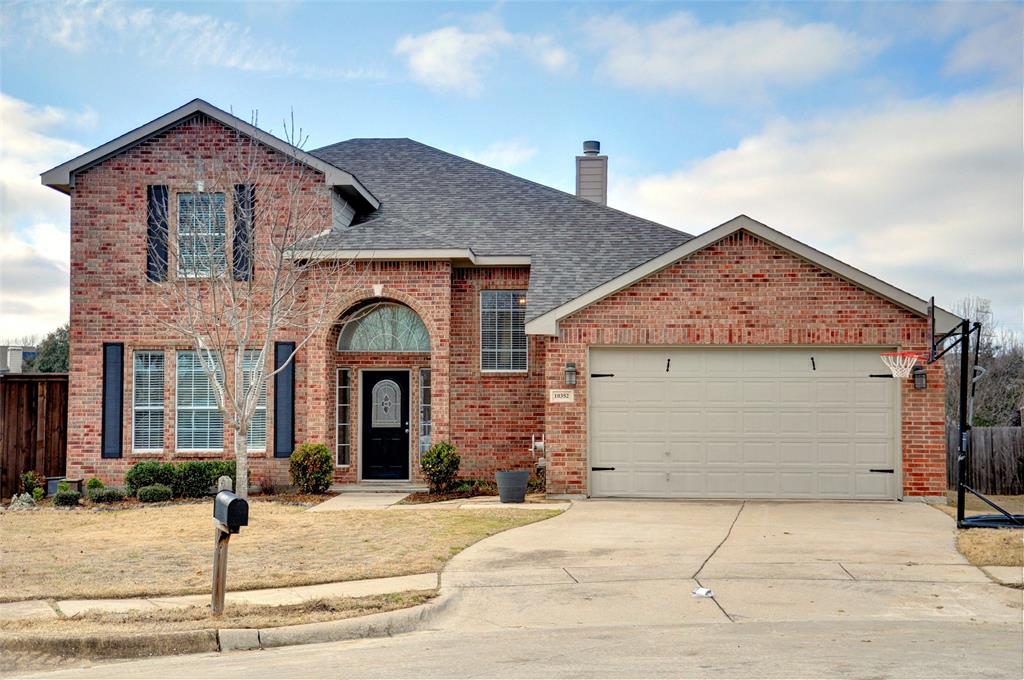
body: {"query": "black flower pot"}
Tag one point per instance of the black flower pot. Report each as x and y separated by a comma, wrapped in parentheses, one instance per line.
(512, 485)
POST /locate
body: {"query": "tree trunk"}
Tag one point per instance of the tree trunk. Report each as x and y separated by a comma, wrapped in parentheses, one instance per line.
(241, 463)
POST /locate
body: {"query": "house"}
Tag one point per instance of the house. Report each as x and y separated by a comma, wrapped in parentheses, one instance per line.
(649, 362)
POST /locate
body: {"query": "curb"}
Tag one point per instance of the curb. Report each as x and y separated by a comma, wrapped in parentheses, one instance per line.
(106, 647)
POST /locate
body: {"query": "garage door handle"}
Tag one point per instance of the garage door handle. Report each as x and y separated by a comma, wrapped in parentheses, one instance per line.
(601, 469)
(602, 375)
(886, 470)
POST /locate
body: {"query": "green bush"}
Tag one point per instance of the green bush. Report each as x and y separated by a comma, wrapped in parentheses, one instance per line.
(30, 481)
(110, 494)
(38, 493)
(94, 484)
(440, 465)
(311, 468)
(148, 473)
(66, 499)
(155, 493)
(63, 486)
(193, 479)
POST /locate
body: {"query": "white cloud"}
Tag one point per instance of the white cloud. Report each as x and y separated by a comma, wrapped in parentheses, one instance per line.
(994, 46)
(505, 154)
(34, 240)
(723, 60)
(166, 36)
(924, 194)
(454, 59)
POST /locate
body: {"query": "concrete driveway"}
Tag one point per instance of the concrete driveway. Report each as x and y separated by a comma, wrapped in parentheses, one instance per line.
(802, 590)
(636, 563)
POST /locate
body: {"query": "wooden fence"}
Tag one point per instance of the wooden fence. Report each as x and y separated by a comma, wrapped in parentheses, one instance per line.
(996, 463)
(33, 427)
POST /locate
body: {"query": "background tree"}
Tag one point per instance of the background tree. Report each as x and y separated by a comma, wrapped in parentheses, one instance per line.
(52, 353)
(999, 395)
(231, 282)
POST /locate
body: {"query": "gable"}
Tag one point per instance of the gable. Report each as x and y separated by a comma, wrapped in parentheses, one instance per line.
(758, 236)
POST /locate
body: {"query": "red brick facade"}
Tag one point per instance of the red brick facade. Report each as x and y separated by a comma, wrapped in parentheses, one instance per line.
(739, 291)
(743, 291)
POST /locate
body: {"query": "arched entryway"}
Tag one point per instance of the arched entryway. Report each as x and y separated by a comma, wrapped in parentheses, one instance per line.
(383, 391)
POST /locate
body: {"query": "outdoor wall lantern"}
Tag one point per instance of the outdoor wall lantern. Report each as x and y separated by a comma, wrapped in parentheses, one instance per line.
(570, 373)
(920, 377)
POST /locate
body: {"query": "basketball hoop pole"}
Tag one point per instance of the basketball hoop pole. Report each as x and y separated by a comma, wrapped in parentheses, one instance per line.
(965, 426)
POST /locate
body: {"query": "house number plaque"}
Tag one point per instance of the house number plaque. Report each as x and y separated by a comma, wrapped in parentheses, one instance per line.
(562, 396)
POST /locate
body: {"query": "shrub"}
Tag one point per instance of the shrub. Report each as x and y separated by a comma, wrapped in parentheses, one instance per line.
(30, 481)
(440, 465)
(38, 493)
(148, 473)
(66, 499)
(110, 494)
(22, 502)
(311, 468)
(94, 484)
(193, 479)
(63, 486)
(155, 493)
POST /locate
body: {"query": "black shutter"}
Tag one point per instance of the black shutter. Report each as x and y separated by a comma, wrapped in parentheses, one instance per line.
(156, 232)
(113, 394)
(284, 400)
(241, 250)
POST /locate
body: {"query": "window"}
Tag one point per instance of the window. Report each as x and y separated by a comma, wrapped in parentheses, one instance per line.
(148, 402)
(202, 234)
(384, 327)
(256, 437)
(503, 330)
(342, 417)
(424, 409)
(199, 425)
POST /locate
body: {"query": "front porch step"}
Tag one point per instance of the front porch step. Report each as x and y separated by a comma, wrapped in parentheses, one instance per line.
(379, 487)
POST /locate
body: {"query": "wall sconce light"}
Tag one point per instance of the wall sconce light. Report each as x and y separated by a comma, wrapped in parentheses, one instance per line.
(570, 373)
(920, 376)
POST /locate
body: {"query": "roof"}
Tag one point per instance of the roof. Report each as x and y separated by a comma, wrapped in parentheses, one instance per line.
(62, 177)
(547, 323)
(434, 200)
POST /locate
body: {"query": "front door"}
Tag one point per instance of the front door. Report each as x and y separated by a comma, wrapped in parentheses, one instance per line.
(385, 411)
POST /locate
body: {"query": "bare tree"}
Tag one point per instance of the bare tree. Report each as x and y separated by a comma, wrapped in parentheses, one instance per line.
(999, 390)
(231, 283)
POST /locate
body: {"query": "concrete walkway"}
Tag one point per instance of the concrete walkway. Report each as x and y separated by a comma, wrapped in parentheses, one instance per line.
(391, 501)
(267, 596)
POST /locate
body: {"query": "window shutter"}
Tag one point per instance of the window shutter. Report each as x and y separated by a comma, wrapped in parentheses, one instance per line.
(284, 400)
(156, 232)
(113, 393)
(245, 203)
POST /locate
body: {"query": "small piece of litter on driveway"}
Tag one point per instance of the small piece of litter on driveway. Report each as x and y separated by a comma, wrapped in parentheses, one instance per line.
(703, 592)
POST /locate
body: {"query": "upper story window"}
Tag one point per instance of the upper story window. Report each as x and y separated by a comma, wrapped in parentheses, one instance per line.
(202, 234)
(503, 330)
(384, 327)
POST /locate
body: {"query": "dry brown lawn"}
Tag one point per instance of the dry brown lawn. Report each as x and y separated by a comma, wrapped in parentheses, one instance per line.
(61, 554)
(989, 547)
(198, 618)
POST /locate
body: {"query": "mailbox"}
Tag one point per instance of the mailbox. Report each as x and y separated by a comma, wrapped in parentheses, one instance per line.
(230, 511)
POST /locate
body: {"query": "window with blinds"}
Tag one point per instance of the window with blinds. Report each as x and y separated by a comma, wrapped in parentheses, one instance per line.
(503, 330)
(199, 426)
(202, 234)
(148, 402)
(343, 417)
(424, 409)
(256, 437)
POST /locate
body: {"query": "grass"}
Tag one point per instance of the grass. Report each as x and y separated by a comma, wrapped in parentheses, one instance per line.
(198, 618)
(143, 551)
(989, 547)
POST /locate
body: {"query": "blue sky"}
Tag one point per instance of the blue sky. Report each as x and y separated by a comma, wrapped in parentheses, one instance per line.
(886, 134)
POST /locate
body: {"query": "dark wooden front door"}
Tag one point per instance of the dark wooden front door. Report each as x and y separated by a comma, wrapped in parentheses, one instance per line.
(385, 409)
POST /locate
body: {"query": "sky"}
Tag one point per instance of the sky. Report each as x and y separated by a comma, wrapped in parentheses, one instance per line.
(887, 135)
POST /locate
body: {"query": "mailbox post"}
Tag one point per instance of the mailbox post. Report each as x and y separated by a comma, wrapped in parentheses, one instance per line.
(230, 513)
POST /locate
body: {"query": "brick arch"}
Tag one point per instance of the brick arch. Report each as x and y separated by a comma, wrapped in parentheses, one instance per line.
(366, 294)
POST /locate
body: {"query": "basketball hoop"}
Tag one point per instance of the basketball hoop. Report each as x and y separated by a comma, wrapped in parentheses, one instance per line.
(900, 364)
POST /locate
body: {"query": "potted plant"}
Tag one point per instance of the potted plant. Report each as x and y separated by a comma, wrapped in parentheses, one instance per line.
(512, 485)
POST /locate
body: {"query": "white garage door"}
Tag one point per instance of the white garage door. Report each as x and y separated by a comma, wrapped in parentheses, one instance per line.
(742, 423)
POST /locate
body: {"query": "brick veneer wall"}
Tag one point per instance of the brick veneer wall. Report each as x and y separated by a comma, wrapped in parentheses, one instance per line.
(744, 291)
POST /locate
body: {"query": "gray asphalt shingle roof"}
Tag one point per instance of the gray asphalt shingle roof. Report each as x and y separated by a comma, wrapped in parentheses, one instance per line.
(433, 199)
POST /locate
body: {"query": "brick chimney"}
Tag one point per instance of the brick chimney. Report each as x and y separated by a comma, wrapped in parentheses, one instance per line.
(592, 173)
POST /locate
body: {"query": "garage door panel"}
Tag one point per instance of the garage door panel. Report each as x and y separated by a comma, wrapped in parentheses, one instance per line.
(743, 423)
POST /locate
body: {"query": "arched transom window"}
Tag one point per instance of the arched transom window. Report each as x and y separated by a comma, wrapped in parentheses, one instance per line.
(384, 327)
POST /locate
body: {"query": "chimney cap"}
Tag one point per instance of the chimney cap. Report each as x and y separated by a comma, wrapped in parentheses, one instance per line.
(591, 147)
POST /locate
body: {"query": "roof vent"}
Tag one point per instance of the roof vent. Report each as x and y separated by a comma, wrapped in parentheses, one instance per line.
(592, 173)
